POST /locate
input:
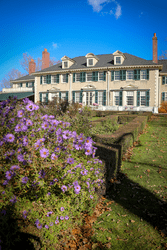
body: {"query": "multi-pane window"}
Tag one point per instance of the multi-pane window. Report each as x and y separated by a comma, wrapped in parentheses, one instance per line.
(89, 96)
(129, 75)
(77, 97)
(117, 75)
(90, 62)
(65, 64)
(89, 77)
(100, 99)
(142, 98)
(129, 97)
(30, 84)
(63, 96)
(100, 76)
(164, 80)
(55, 79)
(44, 97)
(77, 77)
(143, 75)
(64, 78)
(116, 98)
(54, 96)
(118, 60)
(19, 85)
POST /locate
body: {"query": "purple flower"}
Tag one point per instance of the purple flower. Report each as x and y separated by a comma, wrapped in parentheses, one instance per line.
(81, 138)
(79, 146)
(88, 151)
(45, 125)
(91, 196)
(18, 128)
(9, 175)
(56, 221)
(9, 138)
(75, 183)
(42, 174)
(14, 167)
(84, 172)
(77, 189)
(30, 106)
(20, 113)
(37, 145)
(54, 157)
(20, 157)
(5, 182)
(70, 160)
(3, 212)
(44, 152)
(13, 200)
(59, 139)
(25, 141)
(64, 188)
(46, 226)
(62, 209)
(61, 217)
(25, 213)
(48, 193)
(66, 217)
(3, 192)
(29, 122)
(57, 149)
(51, 224)
(49, 213)
(38, 224)
(66, 134)
(24, 180)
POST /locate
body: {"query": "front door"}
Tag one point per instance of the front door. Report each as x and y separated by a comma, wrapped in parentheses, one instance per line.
(89, 97)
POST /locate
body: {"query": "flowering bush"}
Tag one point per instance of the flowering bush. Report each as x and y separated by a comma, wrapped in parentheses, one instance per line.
(163, 108)
(95, 104)
(48, 172)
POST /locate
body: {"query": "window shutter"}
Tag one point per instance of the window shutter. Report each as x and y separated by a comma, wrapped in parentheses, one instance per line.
(49, 79)
(80, 98)
(57, 78)
(46, 79)
(21, 84)
(163, 80)
(84, 76)
(26, 85)
(122, 75)
(96, 76)
(40, 97)
(59, 95)
(96, 96)
(67, 77)
(104, 76)
(163, 96)
(81, 77)
(93, 76)
(112, 75)
(73, 77)
(147, 97)
(40, 79)
(73, 96)
(147, 71)
(138, 98)
(104, 98)
(46, 97)
(137, 74)
(32, 84)
(67, 95)
(120, 98)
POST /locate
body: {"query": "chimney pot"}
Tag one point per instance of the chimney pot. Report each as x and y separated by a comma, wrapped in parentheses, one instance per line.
(155, 53)
(32, 66)
(45, 59)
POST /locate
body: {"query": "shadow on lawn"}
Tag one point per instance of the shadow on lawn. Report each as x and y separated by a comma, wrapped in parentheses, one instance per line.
(140, 202)
(10, 232)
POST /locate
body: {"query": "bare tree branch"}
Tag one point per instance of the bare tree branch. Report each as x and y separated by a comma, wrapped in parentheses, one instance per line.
(11, 75)
(163, 55)
(25, 62)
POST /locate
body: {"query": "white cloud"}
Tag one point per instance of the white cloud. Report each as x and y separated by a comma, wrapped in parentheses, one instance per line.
(118, 12)
(54, 45)
(98, 5)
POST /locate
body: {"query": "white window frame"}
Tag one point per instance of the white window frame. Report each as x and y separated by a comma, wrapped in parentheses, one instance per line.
(117, 75)
(43, 97)
(77, 96)
(116, 98)
(63, 96)
(44, 80)
(53, 79)
(129, 75)
(165, 79)
(129, 94)
(63, 76)
(100, 75)
(90, 73)
(142, 100)
(117, 57)
(56, 94)
(143, 72)
(77, 77)
(65, 64)
(89, 98)
(19, 85)
(100, 97)
(89, 61)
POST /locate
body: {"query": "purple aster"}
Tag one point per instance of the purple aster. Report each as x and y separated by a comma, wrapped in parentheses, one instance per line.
(51, 117)
(77, 189)
(29, 122)
(36, 107)
(88, 151)
(20, 113)
(66, 134)
(13, 200)
(5, 182)
(49, 213)
(70, 160)
(62, 209)
(81, 138)
(91, 196)
(44, 117)
(44, 152)
(51, 224)
(1, 143)
(24, 180)
(66, 217)
(42, 174)
(56, 221)
(88, 184)
(54, 157)
(38, 224)
(59, 132)
(3, 192)
(45, 125)
(9, 175)
(61, 217)
(20, 157)
(25, 213)
(64, 188)
(75, 183)
(54, 123)
(24, 128)
(30, 106)
(18, 128)
(9, 138)
(57, 149)
(48, 193)
(37, 145)
(84, 172)
(79, 146)
(46, 226)
(25, 141)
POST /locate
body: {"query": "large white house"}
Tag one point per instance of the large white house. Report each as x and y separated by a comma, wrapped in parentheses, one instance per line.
(115, 81)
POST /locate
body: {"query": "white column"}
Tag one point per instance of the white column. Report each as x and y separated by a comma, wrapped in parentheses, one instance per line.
(36, 90)
(123, 98)
(108, 91)
(135, 98)
(70, 94)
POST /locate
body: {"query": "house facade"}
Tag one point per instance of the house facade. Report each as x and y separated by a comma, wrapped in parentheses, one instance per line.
(117, 81)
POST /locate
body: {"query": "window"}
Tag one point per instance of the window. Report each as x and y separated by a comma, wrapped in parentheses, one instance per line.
(54, 96)
(89, 96)
(118, 60)
(101, 76)
(164, 80)
(30, 84)
(90, 62)
(44, 99)
(63, 96)
(19, 85)
(100, 99)
(143, 75)
(117, 75)
(77, 97)
(56, 79)
(63, 78)
(142, 98)
(116, 98)
(89, 76)
(129, 75)
(44, 80)
(65, 64)
(77, 75)
(129, 97)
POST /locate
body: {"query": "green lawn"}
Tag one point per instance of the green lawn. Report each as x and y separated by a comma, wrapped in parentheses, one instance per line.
(136, 213)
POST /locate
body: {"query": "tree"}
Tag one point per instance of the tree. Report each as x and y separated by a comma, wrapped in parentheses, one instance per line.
(163, 56)
(11, 75)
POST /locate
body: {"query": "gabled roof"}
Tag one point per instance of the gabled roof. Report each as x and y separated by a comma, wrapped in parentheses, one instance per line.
(164, 63)
(24, 78)
(105, 60)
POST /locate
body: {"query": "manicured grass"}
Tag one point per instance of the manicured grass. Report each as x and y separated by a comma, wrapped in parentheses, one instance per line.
(136, 213)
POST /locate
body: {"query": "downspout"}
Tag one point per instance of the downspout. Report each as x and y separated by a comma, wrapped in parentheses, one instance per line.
(108, 102)
(70, 88)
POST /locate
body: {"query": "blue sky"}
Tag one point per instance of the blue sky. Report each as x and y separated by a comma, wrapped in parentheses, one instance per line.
(77, 27)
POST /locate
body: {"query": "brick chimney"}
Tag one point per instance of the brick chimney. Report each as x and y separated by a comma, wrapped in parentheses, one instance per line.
(155, 53)
(32, 66)
(45, 59)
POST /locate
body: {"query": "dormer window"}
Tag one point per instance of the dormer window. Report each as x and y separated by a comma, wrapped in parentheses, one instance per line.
(90, 62)
(65, 64)
(118, 60)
